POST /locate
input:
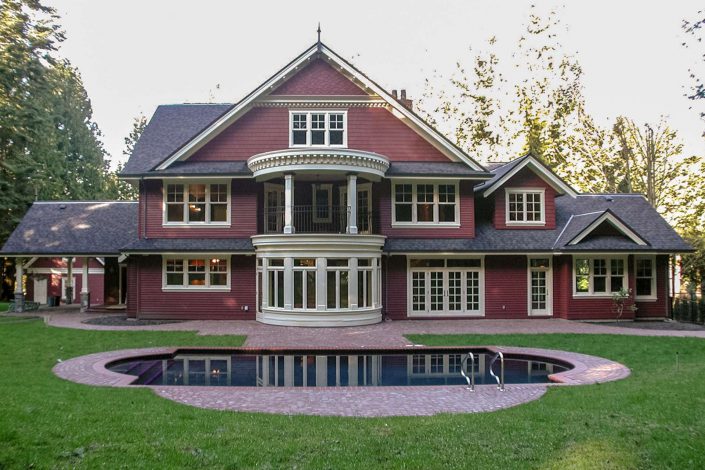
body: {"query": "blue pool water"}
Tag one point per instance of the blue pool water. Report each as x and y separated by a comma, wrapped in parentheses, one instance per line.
(281, 368)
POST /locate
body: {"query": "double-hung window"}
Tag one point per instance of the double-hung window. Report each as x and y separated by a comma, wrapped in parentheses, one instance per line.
(645, 277)
(425, 203)
(525, 206)
(599, 275)
(318, 129)
(196, 203)
(196, 273)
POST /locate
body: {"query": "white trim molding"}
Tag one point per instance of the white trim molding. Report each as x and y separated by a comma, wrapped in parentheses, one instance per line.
(590, 275)
(615, 222)
(437, 203)
(525, 223)
(654, 276)
(540, 170)
(548, 311)
(185, 202)
(184, 271)
(318, 160)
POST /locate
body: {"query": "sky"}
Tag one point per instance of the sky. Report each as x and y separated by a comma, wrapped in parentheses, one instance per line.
(136, 54)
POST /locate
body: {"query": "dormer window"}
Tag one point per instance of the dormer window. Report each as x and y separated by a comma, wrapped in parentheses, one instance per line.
(197, 204)
(318, 129)
(525, 207)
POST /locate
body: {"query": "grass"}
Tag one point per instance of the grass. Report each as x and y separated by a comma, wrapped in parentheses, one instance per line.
(4, 306)
(653, 419)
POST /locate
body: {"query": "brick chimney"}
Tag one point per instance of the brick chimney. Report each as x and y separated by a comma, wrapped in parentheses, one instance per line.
(408, 103)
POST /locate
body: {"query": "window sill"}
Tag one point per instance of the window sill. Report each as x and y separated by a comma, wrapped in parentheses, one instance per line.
(321, 146)
(425, 225)
(196, 289)
(198, 224)
(525, 224)
(592, 296)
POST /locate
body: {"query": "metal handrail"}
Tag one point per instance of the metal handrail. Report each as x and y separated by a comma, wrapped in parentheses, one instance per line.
(470, 380)
(500, 379)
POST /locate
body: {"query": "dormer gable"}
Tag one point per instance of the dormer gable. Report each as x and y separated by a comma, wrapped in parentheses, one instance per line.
(319, 78)
(604, 224)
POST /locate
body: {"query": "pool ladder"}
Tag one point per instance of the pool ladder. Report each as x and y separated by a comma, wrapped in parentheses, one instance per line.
(471, 378)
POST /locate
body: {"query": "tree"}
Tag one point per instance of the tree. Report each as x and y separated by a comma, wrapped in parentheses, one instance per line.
(694, 30)
(122, 190)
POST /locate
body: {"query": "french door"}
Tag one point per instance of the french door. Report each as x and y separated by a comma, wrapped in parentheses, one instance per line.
(540, 286)
(273, 208)
(445, 291)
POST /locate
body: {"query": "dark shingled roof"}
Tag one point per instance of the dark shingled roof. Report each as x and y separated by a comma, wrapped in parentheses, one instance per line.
(577, 224)
(171, 127)
(633, 210)
(74, 228)
(457, 169)
(499, 171)
(193, 245)
(187, 168)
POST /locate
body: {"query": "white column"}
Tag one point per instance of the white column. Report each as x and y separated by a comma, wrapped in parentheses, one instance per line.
(375, 283)
(265, 283)
(288, 283)
(19, 273)
(352, 283)
(85, 291)
(321, 294)
(69, 282)
(352, 203)
(288, 204)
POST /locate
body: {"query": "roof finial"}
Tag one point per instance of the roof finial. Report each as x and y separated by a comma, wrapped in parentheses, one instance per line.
(319, 32)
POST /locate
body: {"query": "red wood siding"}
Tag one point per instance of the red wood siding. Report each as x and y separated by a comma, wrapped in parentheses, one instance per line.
(377, 130)
(318, 78)
(382, 203)
(132, 283)
(588, 308)
(562, 270)
(259, 130)
(58, 263)
(394, 295)
(506, 293)
(267, 129)
(525, 179)
(95, 285)
(658, 308)
(243, 214)
(153, 303)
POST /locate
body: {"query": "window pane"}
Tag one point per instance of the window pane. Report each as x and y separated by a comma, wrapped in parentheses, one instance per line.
(336, 138)
(174, 213)
(196, 212)
(310, 262)
(403, 212)
(599, 267)
(599, 284)
(338, 262)
(175, 193)
(197, 193)
(464, 263)
(311, 289)
(318, 137)
(424, 203)
(280, 288)
(402, 193)
(174, 279)
(219, 212)
(219, 193)
(427, 263)
(616, 283)
(446, 213)
(299, 138)
(643, 286)
(299, 289)
(318, 121)
(344, 289)
(540, 263)
(219, 279)
(582, 283)
(331, 287)
(582, 266)
(617, 267)
(336, 121)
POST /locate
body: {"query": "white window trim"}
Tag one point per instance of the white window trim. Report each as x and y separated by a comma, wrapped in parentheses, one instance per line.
(308, 113)
(590, 293)
(436, 205)
(188, 288)
(304, 291)
(549, 286)
(541, 191)
(329, 189)
(185, 204)
(462, 313)
(654, 276)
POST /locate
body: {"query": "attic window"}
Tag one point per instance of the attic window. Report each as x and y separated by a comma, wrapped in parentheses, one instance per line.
(318, 129)
(525, 207)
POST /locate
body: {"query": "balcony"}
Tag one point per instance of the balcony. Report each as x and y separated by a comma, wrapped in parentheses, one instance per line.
(317, 219)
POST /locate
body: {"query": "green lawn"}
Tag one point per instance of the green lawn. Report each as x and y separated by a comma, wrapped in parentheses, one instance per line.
(3, 306)
(654, 419)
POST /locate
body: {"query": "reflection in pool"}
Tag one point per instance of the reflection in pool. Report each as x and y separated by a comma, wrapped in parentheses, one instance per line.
(245, 368)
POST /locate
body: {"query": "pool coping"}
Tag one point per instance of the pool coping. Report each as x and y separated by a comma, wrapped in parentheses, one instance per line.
(354, 401)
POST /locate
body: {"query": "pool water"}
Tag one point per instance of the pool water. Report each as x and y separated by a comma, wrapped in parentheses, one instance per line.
(245, 368)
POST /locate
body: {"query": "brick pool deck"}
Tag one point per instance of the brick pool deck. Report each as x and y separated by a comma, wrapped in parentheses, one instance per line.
(355, 401)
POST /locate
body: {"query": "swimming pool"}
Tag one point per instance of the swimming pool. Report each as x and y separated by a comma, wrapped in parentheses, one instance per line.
(242, 367)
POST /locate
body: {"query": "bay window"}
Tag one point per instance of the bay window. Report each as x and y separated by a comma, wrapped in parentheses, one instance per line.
(425, 203)
(318, 129)
(599, 275)
(196, 203)
(196, 273)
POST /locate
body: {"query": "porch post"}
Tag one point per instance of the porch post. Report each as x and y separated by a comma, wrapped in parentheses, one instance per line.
(265, 283)
(85, 290)
(352, 204)
(352, 283)
(321, 273)
(288, 203)
(69, 282)
(375, 283)
(19, 292)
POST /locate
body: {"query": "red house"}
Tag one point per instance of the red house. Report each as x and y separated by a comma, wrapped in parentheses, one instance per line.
(320, 199)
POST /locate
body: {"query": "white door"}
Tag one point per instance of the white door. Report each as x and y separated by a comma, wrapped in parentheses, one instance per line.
(273, 208)
(40, 290)
(540, 280)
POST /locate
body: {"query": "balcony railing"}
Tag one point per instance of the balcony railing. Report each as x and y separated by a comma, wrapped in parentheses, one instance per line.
(317, 219)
